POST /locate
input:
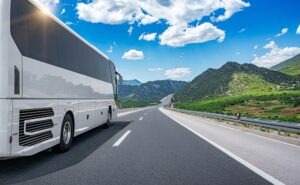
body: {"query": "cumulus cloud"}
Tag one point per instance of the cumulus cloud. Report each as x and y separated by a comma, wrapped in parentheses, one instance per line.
(275, 55)
(155, 69)
(256, 46)
(149, 11)
(178, 36)
(177, 73)
(230, 7)
(133, 55)
(298, 30)
(148, 37)
(282, 32)
(171, 12)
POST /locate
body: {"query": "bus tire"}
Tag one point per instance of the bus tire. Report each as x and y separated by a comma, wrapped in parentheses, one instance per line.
(66, 134)
(108, 121)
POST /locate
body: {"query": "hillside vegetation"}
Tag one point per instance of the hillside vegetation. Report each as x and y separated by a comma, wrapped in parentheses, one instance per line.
(153, 90)
(246, 89)
(244, 84)
(284, 106)
(216, 82)
(290, 67)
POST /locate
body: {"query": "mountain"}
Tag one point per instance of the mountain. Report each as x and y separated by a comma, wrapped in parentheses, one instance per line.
(133, 82)
(233, 79)
(289, 67)
(153, 90)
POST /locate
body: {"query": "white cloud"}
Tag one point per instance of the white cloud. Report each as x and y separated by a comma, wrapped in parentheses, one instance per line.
(242, 30)
(177, 73)
(63, 11)
(148, 37)
(149, 11)
(108, 11)
(282, 32)
(275, 55)
(298, 30)
(69, 23)
(155, 69)
(270, 45)
(133, 55)
(171, 12)
(255, 47)
(178, 36)
(48, 3)
(110, 49)
(130, 30)
(230, 7)
(148, 19)
(237, 53)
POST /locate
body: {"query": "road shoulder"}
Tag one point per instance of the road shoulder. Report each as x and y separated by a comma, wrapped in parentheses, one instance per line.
(272, 157)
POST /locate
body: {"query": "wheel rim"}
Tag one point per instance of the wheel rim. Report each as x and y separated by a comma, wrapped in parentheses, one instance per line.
(67, 132)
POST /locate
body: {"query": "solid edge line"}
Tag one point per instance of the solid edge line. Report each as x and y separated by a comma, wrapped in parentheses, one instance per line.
(240, 130)
(250, 166)
(117, 143)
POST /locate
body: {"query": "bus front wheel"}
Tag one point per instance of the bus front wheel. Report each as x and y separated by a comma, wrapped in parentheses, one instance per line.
(67, 134)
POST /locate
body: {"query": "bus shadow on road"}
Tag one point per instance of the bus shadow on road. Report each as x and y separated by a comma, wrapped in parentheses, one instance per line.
(22, 169)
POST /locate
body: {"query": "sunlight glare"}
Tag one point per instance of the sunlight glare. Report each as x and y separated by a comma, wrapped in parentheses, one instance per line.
(46, 8)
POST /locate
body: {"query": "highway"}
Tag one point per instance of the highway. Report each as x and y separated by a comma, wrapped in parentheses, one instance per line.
(161, 147)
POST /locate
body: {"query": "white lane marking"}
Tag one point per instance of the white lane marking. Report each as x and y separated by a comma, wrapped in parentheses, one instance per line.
(141, 118)
(239, 130)
(122, 138)
(130, 112)
(282, 142)
(256, 170)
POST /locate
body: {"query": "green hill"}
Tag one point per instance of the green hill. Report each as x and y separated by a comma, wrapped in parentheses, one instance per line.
(153, 90)
(233, 79)
(244, 84)
(133, 82)
(289, 67)
(246, 89)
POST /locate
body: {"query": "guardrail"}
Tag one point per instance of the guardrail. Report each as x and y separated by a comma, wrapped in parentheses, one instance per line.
(280, 126)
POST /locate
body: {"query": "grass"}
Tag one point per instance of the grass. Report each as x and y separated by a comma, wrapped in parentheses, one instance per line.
(243, 84)
(136, 103)
(279, 105)
(293, 70)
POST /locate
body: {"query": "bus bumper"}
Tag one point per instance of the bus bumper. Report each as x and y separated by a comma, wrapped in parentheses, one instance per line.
(5, 127)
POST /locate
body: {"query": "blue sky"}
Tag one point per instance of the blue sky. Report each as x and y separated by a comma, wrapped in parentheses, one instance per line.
(187, 39)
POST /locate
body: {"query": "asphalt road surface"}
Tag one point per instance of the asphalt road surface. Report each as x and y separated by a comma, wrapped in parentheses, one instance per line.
(144, 147)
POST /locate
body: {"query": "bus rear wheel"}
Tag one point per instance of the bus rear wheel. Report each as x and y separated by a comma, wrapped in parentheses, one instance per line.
(109, 115)
(67, 134)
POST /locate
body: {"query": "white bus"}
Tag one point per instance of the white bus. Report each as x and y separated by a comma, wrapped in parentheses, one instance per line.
(53, 84)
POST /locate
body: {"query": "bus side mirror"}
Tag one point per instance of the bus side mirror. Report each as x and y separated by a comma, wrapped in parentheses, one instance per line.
(120, 79)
